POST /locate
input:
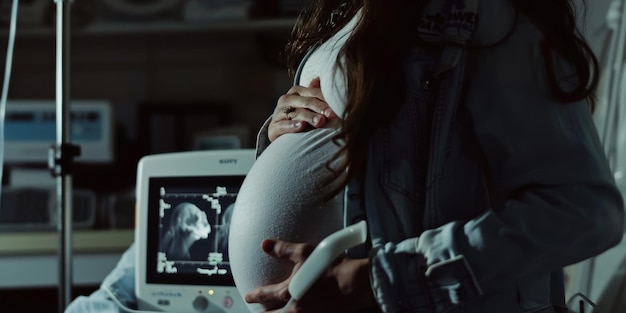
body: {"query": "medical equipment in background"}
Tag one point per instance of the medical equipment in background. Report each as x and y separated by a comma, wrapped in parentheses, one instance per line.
(35, 209)
(611, 114)
(200, 280)
(62, 154)
(30, 127)
(606, 30)
(29, 201)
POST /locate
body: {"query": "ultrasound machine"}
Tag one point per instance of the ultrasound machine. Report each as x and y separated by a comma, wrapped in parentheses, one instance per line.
(200, 280)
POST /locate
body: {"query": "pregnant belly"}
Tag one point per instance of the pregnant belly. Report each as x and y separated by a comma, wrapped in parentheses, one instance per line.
(283, 197)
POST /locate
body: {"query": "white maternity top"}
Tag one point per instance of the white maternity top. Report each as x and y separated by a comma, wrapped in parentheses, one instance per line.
(322, 64)
(283, 194)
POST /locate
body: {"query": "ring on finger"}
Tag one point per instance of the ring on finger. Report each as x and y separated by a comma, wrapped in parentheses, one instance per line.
(288, 110)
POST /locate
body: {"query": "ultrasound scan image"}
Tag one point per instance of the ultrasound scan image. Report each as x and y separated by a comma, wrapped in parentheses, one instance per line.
(193, 230)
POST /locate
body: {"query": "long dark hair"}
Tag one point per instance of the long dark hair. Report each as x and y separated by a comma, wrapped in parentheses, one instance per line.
(374, 60)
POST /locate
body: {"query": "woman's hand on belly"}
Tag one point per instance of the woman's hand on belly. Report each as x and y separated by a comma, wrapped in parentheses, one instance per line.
(299, 109)
(345, 286)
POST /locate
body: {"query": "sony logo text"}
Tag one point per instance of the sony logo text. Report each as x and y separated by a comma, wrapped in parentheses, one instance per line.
(228, 161)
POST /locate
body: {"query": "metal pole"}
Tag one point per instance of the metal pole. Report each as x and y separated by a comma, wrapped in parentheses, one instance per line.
(62, 154)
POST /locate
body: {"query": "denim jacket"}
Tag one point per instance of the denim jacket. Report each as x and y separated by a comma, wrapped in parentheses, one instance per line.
(484, 186)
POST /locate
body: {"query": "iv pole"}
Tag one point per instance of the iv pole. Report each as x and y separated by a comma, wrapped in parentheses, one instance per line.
(612, 116)
(61, 155)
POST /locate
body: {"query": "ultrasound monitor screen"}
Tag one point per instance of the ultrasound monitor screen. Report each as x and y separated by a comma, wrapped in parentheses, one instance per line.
(188, 224)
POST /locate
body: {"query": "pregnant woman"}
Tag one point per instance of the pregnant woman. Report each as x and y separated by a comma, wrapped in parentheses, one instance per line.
(467, 144)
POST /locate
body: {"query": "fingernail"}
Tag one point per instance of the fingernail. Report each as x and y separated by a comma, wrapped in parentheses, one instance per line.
(297, 124)
(316, 120)
(268, 245)
(328, 112)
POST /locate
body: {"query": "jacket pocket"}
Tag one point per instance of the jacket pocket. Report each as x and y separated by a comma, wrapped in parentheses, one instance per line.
(406, 138)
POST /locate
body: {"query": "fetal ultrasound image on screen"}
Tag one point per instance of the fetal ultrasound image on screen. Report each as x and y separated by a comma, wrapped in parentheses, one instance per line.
(189, 219)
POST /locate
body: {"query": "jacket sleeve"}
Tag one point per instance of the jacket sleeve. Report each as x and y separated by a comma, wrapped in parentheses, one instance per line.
(554, 199)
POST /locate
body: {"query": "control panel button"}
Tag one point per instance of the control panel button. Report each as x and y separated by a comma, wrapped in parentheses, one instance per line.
(228, 302)
(200, 303)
